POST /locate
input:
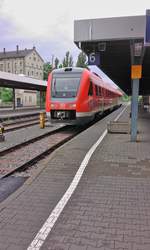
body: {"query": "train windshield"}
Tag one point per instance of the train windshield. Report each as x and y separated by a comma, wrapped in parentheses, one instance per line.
(65, 87)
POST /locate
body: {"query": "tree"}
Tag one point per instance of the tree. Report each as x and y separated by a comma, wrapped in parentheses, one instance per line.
(81, 61)
(46, 70)
(6, 95)
(68, 60)
(56, 62)
(0, 93)
(60, 66)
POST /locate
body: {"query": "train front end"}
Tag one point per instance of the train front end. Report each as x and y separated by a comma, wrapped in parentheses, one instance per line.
(61, 97)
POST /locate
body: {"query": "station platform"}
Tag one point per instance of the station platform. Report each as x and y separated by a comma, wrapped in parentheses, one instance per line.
(109, 208)
(6, 113)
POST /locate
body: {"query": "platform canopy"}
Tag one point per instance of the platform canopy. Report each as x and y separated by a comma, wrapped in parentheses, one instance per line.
(21, 82)
(117, 43)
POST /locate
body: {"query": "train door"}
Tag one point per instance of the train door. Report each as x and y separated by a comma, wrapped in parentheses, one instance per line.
(101, 99)
(90, 96)
(104, 98)
(99, 106)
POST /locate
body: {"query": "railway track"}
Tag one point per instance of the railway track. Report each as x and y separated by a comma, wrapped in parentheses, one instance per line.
(21, 123)
(21, 157)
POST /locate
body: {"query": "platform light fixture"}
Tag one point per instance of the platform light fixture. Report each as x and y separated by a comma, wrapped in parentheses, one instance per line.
(138, 48)
(101, 46)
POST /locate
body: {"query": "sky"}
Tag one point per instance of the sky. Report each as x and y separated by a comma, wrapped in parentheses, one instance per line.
(49, 25)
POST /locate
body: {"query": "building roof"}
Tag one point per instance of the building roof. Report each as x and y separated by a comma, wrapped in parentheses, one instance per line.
(10, 80)
(17, 53)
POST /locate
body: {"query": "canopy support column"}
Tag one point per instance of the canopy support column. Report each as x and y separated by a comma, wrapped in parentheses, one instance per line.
(134, 109)
(41, 99)
(14, 103)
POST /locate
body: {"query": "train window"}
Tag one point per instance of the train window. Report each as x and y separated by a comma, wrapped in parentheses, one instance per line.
(97, 90)
(100, 91)
(65, 87)
(90, 93)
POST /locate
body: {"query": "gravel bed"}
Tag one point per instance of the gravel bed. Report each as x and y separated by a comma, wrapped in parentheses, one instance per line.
(24, 134)
(21, 156)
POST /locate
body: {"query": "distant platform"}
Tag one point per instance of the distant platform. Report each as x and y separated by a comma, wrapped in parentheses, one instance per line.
(8, 113)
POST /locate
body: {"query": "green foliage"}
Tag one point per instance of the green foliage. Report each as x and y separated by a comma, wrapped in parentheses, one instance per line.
(6, 94)
(68, 60)
(46, 70)
(125, 98)
(0, 93)
(81, 61)
(60, 66)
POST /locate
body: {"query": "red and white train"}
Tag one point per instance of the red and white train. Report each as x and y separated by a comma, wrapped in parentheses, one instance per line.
(76, 95)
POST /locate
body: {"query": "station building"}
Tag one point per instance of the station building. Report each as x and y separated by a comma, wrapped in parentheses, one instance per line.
(25, 62)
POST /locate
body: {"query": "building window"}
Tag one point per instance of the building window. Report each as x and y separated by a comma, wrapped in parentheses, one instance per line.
(20, 71)
(30, 99)
(28, 73)
(32, 73)
(1, 67)
(8, 65)
(34, 58)
(20, 63)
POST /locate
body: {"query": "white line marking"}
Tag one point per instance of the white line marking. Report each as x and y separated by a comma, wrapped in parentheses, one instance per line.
(121, 112)
(48, 225)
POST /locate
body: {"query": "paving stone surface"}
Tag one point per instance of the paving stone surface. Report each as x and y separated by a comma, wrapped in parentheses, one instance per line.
(110, 209)
(24, 212)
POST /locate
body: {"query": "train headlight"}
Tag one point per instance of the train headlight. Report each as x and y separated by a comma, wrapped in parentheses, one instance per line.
(52, 105)
(73, 105)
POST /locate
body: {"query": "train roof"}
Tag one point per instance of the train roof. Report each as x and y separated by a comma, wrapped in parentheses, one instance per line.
(97, 79)
(68, 69)
(104, 84)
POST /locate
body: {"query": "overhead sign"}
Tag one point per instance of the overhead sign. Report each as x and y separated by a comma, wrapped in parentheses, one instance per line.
(147, 32)
(94, 58)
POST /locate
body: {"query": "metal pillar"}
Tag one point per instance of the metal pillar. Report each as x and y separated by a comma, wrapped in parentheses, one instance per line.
(14, 104)
(134, 109)
(40, 99)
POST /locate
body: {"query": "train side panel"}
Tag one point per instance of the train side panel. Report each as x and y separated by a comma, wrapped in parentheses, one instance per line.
(93, 96)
